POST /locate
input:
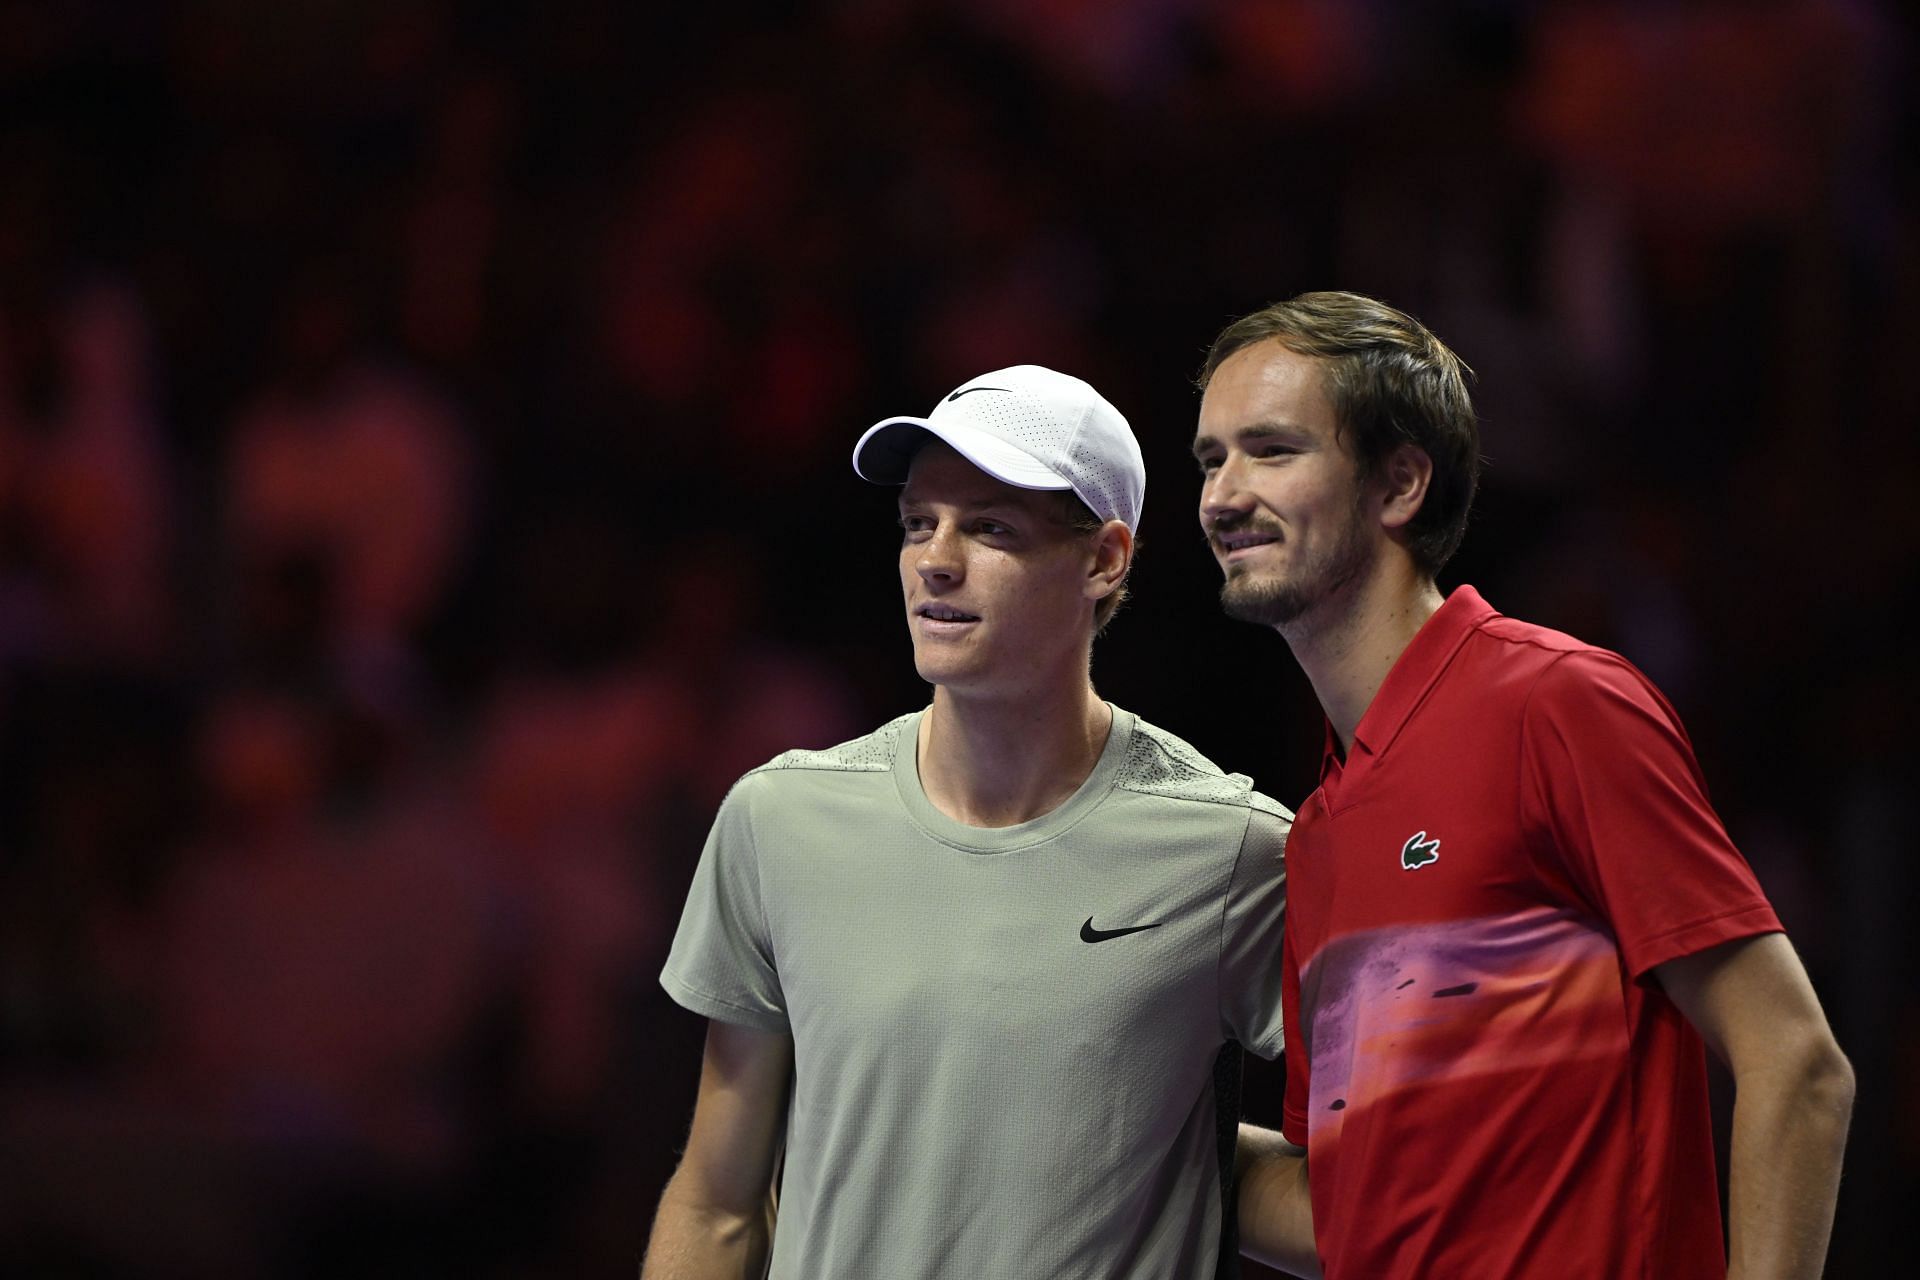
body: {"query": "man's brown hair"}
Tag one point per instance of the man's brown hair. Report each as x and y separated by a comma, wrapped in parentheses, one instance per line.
(1392, 383)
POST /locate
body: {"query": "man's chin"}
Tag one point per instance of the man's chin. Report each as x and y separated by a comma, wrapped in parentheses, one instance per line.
(947, 669)
(1261, 601)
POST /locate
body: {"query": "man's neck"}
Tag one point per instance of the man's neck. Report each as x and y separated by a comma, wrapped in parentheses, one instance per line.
(1351, 641)
(996, 762)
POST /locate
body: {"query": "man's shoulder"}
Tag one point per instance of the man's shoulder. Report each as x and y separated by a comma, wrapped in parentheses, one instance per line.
(869, 753)
(1507, 656)
(1534, 650)
(1526, 670)
(1166, 766)
(1513, 640)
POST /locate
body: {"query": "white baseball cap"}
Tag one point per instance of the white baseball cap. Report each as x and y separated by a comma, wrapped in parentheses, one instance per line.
(1026, 426)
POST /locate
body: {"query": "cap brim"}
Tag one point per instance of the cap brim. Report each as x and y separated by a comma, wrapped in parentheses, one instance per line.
(884, 454)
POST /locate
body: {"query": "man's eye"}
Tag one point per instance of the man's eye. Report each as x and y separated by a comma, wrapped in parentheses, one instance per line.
(1208, 464)
(993, 528)
(915, 524)
(1277, 450)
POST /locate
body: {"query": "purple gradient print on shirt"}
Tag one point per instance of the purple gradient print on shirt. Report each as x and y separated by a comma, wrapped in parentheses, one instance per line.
(1392, 1009)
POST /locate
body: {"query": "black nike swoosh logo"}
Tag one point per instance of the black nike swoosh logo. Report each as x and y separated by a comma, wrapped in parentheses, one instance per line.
(1090, 934)
(969, 390)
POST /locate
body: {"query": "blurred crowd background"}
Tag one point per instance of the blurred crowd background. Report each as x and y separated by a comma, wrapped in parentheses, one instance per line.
(424, 488)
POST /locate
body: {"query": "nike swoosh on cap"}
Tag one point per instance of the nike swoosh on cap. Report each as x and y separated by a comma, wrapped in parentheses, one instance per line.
(968, 390)
(1090, 934)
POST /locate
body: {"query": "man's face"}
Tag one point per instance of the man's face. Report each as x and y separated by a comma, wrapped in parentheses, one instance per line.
(1281, 499)
(995, 581)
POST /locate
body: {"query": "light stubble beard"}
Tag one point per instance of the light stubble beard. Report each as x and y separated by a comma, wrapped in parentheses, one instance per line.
(1276, 602)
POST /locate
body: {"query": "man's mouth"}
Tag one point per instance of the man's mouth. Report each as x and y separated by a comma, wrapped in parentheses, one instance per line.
(936, 612)
(1230, 541)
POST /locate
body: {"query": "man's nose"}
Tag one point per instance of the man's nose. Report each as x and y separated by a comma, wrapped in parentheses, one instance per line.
(1223, 492)
(940, 559)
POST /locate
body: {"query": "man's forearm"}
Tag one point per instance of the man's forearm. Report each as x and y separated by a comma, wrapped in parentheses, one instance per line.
(1276, 1214)
(1789, 1129)
(696, 1241)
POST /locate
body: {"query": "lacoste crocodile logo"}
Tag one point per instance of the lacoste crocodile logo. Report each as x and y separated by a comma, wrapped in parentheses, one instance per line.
(1418, 851)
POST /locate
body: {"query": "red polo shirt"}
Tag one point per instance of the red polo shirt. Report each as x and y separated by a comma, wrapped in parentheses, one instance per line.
(1488, 1081)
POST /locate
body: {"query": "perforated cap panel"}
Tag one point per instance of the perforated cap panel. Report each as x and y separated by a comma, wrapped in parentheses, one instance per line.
(1028, 426)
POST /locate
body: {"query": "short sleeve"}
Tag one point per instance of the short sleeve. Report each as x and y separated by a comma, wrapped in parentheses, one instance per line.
(1611, 789)
(1250, 932)
(722, 961)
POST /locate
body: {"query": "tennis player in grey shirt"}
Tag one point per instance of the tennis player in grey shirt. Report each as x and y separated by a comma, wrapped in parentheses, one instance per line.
(973, 970)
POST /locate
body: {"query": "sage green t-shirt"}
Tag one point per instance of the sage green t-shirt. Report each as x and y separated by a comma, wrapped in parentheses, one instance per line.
(1003, 1037)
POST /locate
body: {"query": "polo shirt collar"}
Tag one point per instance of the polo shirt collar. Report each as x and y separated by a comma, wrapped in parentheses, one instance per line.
(1416, 670)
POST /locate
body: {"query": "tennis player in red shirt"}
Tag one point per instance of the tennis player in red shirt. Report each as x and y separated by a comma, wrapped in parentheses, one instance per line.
(1513, 916)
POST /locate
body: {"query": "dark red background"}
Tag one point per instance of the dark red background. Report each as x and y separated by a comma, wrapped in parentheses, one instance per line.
(423, 488)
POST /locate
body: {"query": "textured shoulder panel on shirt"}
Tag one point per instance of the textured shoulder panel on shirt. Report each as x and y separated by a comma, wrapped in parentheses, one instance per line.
(871, 753)
(1268, 805)
(1160, 764)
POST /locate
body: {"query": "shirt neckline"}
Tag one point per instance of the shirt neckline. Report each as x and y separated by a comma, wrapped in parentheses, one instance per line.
(1100, 781)
(1414, 673)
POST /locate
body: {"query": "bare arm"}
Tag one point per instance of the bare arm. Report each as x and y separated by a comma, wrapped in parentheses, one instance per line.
(1276, 1217)
(1793, 1094)
(714, 1221)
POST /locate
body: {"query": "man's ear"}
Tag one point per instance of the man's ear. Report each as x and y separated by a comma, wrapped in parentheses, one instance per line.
(1404, 478)
(1112, 557)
